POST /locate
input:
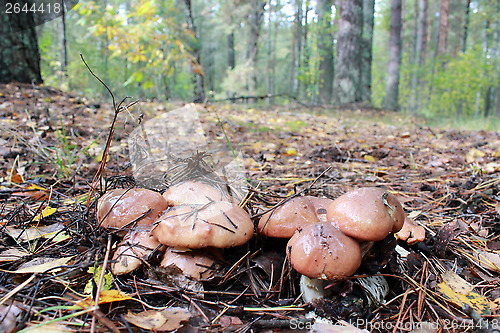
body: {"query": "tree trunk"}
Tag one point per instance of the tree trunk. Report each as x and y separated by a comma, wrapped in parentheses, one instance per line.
(64, 52)
(230, 50)
(418, 55)
(105, 45)
(391, 100)
(466, 27)
(196, 68)
(414, 56)
(275, 41)
(496, 40)
(325, 49)
(256, 16)
(348, 73)
(366, 52)
(296, 48)
(443, 28)
(19, 53)
(269, 90)
(304, 53)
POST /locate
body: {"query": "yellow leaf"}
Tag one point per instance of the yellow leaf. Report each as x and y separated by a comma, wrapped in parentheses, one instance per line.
(47, 211)
(106, 296)
(476, 301)
(106, 283)
(291, 152)
(369, 158)
(473, 154)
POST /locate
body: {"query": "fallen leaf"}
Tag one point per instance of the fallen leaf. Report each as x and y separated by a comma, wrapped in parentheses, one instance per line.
(106, 296)
(457, 283)
(166, 320)
(491, 167)
(15, 177)
(291, 152)
(52, 232)
(47, 211)
(49, 328)
(34, 191)
(12, 254)
(488, 260)
(476, 301)
(473, 154)
(9, 315)
(369, 158)
(42, 264)
(414, 214)
(107, 282)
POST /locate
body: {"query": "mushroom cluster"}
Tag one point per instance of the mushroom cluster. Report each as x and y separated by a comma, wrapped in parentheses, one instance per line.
(329, 238)
(189, 215)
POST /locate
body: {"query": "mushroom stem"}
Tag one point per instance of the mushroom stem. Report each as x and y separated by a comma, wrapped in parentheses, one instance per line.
(312, 289)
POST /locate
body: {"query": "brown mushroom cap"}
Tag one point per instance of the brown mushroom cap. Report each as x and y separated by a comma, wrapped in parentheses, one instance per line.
(135, 247)
(198, 265)
(411, 232)
(118, 208)
(195, 192)
(218, 224)
(321, 251)
(320, 206)
(368, 214)
(285, 219)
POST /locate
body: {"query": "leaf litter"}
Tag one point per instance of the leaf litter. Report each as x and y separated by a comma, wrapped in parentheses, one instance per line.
(52, 144)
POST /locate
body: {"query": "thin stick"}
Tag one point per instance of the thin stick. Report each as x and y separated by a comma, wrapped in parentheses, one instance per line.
(99, 286)
(16, 289)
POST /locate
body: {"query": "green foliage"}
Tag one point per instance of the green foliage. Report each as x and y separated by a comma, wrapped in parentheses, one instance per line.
(459, 83)
(67, 154)
(453, 87)
(143, 48)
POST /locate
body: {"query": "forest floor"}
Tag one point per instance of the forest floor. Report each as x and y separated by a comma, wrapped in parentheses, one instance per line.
(51, 147)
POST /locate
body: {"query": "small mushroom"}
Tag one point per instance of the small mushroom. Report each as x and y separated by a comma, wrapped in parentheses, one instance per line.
(367, 214)
(285, 219)
(124, 208)
(217, 224)
(411, 233)
(196, 264)
(321, 251)
(133, 250)
(195, 192)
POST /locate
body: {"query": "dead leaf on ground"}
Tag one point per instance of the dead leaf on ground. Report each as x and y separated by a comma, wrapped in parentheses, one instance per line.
(12, 254)
(53, 231)
(43, 264)
(488, 260)
(476, 301)
(9, 315)
(34, 191)
(457, 283)
(49, 328)
(166, 320)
